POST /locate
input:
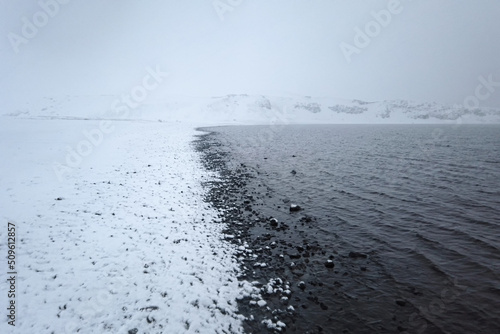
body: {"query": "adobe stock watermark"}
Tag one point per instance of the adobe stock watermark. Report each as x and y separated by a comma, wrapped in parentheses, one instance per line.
(430, 148)
(121, 107)
(363, 37)
(418, 321)
(32, 25)
(223, 6)
(483, 92)
(99, 305)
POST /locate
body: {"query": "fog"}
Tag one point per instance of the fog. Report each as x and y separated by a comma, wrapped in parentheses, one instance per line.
(422, 50)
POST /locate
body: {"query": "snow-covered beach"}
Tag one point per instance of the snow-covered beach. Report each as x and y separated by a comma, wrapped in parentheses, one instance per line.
(119, 242)
(254, 166)
(114, 230)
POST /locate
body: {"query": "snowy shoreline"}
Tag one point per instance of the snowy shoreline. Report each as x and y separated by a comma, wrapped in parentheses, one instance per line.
(124, 242)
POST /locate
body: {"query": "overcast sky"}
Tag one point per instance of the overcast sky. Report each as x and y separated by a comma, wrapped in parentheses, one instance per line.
(428, 50)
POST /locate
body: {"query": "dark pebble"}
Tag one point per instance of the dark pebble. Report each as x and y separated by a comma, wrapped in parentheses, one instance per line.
(306, 219)
(356, 255)
(329, 264)
(400, 302)
(149, 308)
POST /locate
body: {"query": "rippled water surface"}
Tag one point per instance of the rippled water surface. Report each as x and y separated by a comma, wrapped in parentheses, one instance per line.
(422, 201)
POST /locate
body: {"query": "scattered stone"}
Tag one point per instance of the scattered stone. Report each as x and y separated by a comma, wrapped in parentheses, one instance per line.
(306, 219)
(59, 199)
(293, 172)
(302, 285)
(356, 255)
(295, 208)
(400, 302)
(149, 308)
(274, 222)
(133, 331)
(329, 264)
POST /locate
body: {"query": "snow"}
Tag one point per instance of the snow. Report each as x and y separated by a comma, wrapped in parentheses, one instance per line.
(113, 234)
(258, 109)
(261, 303)
(278, 326)
(122, 240)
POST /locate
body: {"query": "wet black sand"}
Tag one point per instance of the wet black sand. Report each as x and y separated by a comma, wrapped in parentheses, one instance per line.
(331, 289)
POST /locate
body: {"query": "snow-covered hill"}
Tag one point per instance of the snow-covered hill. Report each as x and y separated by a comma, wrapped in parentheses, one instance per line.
(252, 109)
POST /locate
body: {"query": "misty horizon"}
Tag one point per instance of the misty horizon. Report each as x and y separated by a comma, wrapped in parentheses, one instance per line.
(422, 51)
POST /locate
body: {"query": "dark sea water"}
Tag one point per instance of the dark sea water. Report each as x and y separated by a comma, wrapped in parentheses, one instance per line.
(422, 202)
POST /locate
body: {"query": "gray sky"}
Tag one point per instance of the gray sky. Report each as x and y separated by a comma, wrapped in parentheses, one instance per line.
(429, 50)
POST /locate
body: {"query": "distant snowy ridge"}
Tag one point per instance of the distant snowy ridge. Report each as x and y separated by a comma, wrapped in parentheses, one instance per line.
(253, 109)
